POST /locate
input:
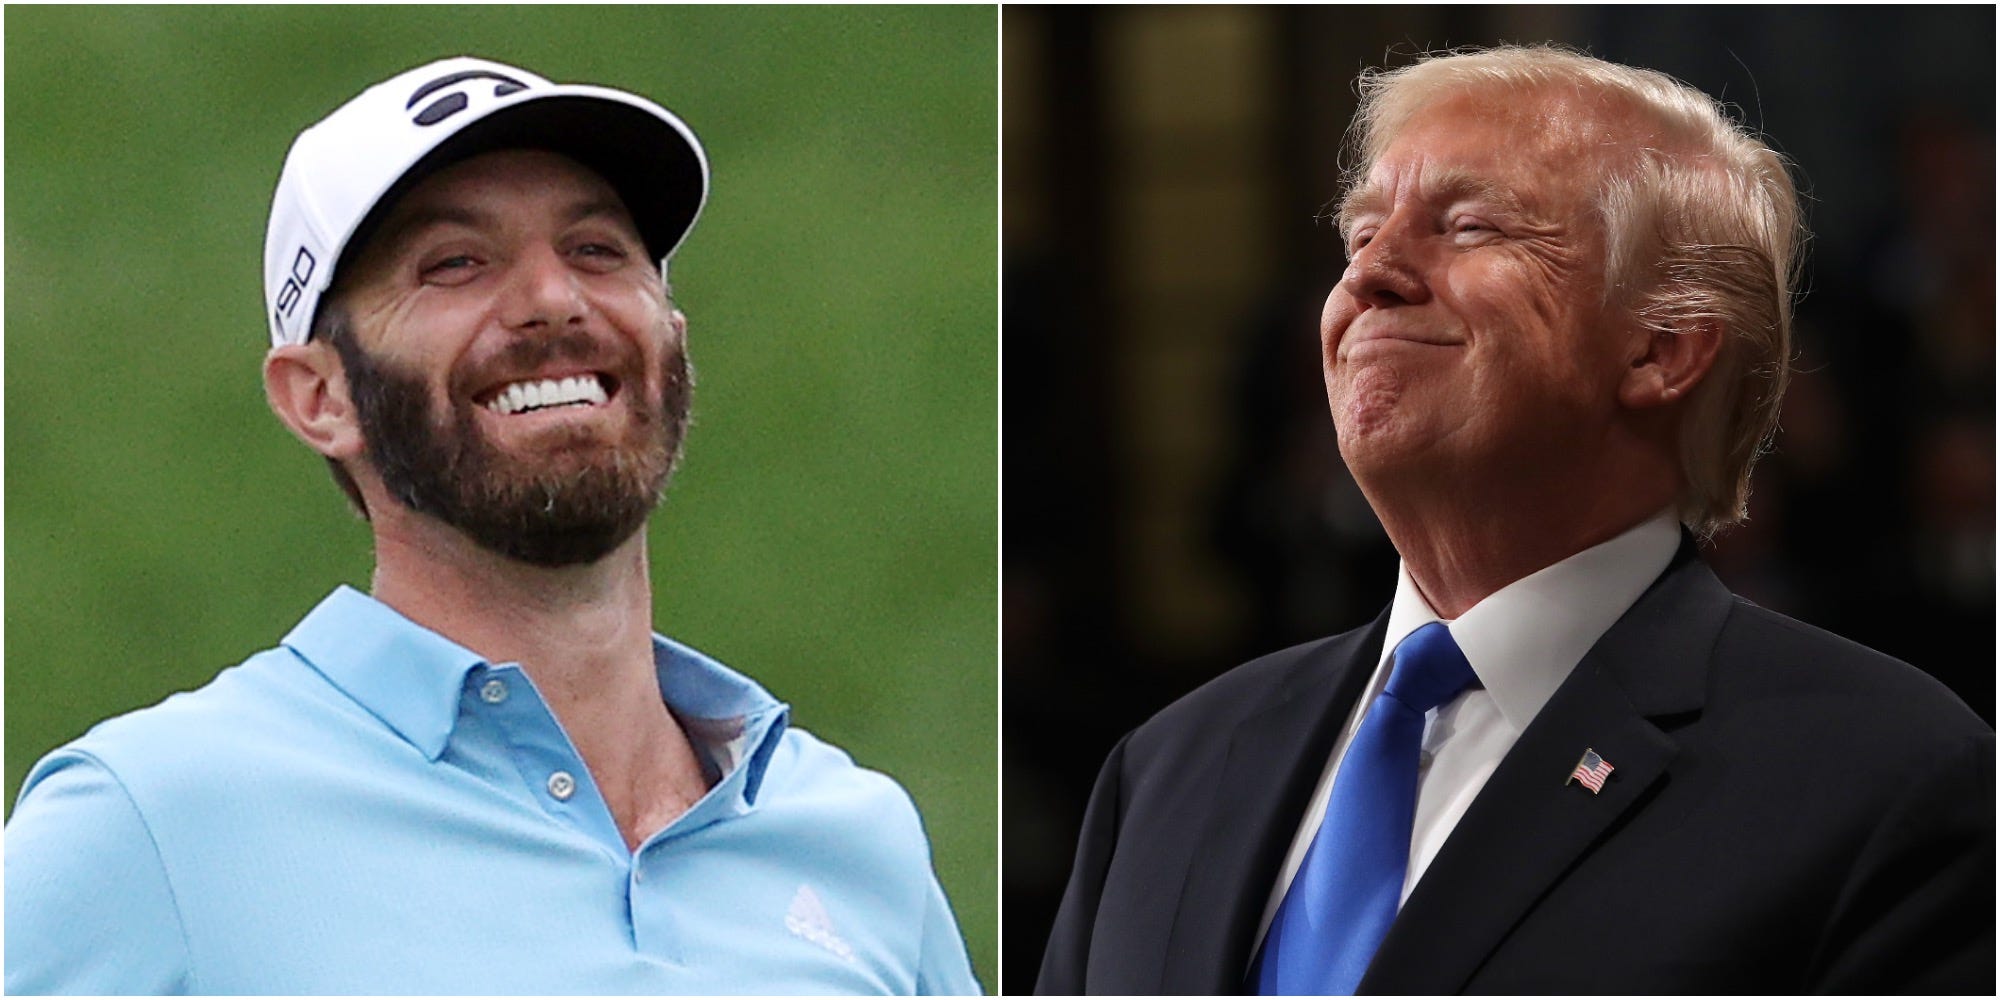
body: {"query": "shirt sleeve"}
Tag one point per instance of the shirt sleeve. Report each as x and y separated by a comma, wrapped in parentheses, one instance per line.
(943, 968)
(88, 905)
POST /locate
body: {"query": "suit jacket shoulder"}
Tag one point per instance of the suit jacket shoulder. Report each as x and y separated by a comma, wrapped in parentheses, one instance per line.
(1213, 711)
(1191, 808)
(1763, 655)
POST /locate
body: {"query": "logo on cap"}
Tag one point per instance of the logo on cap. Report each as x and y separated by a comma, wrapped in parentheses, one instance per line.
(295, 284)
(456, 101)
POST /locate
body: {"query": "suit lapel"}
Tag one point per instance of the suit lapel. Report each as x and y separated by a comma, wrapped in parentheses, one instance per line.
(1522, 832)
(1527, 827)
(1274, 758)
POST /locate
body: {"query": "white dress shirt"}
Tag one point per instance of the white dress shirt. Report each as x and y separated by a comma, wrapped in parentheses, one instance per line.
(1522, 642)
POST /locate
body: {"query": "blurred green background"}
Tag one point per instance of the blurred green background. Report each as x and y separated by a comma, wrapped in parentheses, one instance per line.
(832, 529)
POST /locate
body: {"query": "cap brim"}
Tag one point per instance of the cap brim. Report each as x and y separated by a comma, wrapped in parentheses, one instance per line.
(652, 163)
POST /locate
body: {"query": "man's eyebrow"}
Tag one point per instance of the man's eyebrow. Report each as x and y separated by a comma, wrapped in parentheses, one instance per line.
(425, 216)
(1361, 197)
(1445, 184)
(586, 208)
(405, 227)
(1451, 184)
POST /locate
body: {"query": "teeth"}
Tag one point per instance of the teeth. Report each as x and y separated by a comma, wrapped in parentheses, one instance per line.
(548, 392)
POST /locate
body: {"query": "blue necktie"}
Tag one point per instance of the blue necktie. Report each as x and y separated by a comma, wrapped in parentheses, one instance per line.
(1344, 896)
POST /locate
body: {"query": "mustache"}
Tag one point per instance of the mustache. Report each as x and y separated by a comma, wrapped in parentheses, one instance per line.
(531, 352)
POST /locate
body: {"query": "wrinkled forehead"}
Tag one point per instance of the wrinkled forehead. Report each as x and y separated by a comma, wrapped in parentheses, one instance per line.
(1552, 115)
(1537, 152)
(502, 185)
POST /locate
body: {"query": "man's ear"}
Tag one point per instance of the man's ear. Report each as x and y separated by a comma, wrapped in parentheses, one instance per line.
(307, 388)
(1667, 363)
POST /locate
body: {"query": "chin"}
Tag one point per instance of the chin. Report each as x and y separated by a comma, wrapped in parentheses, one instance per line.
(1367, 405)
(1380, 454)
(1380, 443)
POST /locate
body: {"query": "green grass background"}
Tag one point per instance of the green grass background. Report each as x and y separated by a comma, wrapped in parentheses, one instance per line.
(832, 529)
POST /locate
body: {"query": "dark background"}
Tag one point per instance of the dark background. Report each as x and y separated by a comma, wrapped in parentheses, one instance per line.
(1173, 500)
(832, 529)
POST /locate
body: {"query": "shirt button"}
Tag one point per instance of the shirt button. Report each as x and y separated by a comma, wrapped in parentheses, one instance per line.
(493, 692)
(562, 786)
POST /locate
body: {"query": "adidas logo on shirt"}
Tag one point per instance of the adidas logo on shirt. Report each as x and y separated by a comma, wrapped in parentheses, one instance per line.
(807, 918)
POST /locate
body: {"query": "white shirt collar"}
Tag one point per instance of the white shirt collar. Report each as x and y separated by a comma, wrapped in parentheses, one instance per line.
(1525, 638)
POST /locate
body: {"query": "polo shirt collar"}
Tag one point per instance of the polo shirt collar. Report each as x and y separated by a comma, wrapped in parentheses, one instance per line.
(730, 716)
(1525, 638)
(413, 680)
(403, 673)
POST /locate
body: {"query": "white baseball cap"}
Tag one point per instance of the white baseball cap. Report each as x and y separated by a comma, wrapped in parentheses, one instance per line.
(344, 174)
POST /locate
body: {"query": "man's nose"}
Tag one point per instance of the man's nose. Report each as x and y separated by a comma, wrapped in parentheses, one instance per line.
(543, 291)
(1384, 271)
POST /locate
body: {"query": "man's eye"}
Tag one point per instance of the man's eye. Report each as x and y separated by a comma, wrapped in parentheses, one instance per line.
(600, 250)
(452, 263)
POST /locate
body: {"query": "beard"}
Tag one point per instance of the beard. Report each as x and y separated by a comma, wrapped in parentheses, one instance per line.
(574, 499)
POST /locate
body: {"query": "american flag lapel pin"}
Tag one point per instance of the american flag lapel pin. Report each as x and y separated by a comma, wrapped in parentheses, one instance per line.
(1591, 770)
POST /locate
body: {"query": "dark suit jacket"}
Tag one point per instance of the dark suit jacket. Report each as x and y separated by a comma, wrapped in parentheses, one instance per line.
(1790, 812)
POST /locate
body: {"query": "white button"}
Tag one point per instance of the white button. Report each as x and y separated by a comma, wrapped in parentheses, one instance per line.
(562, 786)
(493, 692)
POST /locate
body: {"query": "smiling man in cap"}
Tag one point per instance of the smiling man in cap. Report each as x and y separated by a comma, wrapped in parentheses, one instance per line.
(489, 775)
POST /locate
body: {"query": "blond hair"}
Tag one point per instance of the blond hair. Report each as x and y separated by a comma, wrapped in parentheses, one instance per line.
(1702, 223)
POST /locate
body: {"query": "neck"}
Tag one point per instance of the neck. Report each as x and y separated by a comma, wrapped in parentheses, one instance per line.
(582, 634)
(561, 624)
(1461, 545)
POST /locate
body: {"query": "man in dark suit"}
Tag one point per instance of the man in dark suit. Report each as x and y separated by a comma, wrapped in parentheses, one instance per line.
(1566, 758)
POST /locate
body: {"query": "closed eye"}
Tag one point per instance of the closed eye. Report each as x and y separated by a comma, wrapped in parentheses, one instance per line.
(600, 255)
(1469, 229)
(454, 269)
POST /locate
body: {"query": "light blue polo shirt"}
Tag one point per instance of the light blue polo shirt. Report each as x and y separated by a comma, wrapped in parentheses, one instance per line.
(371, 808)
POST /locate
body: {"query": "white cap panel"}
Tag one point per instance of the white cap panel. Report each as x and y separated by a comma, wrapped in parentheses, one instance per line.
(341, 168)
